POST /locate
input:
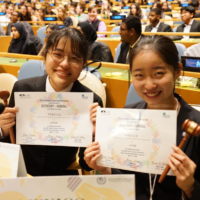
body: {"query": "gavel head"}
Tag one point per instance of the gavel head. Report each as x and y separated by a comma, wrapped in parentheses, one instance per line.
(191, 127)
(4, 95)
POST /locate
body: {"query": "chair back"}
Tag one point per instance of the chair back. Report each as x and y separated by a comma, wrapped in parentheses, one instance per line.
(96, 72)
(180, 48)
(7, 82)
(174, 29)
(132, 96)
(94, 84)
(115, 29)
(117, 52)
(41, 34)
(31, 68)
(168, 22)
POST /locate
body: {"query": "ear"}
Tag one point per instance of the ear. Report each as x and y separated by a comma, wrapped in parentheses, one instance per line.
(178, 71)
(159, 17)
(132, 31)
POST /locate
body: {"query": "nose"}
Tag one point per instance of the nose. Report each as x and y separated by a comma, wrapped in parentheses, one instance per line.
(65, 63)
(150, 84)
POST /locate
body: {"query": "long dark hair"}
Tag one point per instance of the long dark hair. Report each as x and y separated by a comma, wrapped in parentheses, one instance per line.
(138, 10)
(162, 45)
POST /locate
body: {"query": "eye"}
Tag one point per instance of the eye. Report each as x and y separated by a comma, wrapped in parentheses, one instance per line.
(57, 54)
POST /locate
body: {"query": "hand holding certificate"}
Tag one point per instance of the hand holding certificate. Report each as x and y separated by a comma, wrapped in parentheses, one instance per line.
(136, 140)
(60, 119)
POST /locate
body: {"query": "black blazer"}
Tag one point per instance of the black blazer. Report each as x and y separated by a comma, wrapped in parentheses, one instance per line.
(194, 28)
(168, 190)
(123, 52)
(162, 28)
(48, 160)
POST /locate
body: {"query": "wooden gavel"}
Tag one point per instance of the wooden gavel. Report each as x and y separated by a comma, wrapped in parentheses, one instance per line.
(4, 95)
(191, 128)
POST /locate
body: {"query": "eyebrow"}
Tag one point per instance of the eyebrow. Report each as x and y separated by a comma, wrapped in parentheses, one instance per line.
(139, 69)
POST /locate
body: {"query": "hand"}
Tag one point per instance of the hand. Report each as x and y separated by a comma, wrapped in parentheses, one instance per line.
(7, 120)
(93, 114)
(184, 169)
(91, 154)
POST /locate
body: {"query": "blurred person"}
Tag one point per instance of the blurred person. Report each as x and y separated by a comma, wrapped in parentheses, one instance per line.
(98, 25)
(72, 9)
(4, 20)
(157, 4)
(99, 51)
(62, 16)
(48, 10)
(190, 24)
(195, 4)
(20, 42)
(82, 17)
(136, 11)
(3, 8)
(165, 7)
(26, 14)
(156, 25)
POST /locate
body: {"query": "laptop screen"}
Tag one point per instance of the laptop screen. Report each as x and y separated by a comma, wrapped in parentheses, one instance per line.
(191, 63)
(115, 17)
(50, 18)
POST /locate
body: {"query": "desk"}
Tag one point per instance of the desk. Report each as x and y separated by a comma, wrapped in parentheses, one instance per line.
(113, 42)
(5, 43)
(116, 87)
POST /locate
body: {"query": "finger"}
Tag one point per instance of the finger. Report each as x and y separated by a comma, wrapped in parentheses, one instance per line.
(10, 110)
(92, 144)
(174, 168)
(183, 159)
(6, 116)
(93, 106)
(178, 150)
(178, 165)
(92, 148)
(6, 121)
(90, 155)
(94, 110)
(7, 126)
(94, 159)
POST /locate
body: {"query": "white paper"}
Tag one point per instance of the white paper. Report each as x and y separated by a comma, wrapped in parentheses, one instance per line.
(11, 161)
(60, 119)
(136, 139)
(105, 187)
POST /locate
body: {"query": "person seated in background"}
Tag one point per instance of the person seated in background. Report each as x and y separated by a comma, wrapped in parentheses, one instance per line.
(48, 10)
(3, 8)
(32, 12)
(136, 11)
(99, 51)
(106, 9)
(72, 9)
(41, 15)
(5, 19)
(165, 7)
(62, 16)
(26, 14)
(65, 55)
(82, 17)
(130, 31)
(156, 25)
(157, 4)
(98, 25)
(190, 24)
(50, 28)
(122, 4)
(20, 42)
(193, 51)
(195, 4)
(15, 18)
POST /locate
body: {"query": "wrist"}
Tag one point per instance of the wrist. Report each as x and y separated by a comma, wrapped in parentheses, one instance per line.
(107, 170)
(188, 192)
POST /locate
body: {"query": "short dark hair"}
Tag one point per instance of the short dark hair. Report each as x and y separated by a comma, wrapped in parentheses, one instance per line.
(138, 10)
(161, 45)
(133, 22)
(195, 3)
(188, 9)
(53, 27)
(79, 44)
(74, 4)
(21, 16)
(82, 7)
(91, 7)
(156, 10)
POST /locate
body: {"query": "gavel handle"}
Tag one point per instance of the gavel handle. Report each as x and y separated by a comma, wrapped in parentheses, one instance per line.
(167, 168)
(11, 132)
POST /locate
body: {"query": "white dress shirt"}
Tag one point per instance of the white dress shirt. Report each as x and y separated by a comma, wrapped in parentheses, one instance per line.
(4, 20)
(187, 29)
(49, 88)
(155, 29)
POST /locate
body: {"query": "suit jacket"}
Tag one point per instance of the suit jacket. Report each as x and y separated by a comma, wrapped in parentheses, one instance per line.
(168, 188)
(162, 28)
(194, 28)
(123, 52)
(48, 160)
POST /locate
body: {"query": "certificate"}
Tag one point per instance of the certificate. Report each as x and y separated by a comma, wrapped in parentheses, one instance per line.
(60, 119)
(105, 187)
(136, 139)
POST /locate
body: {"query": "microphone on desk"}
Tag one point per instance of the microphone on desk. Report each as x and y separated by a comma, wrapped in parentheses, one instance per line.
(2, 107)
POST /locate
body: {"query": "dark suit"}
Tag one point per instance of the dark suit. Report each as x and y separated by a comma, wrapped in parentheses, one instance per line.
(168, 190)
(123, 52)
(194, 28)
(48, 160)
(161, 28)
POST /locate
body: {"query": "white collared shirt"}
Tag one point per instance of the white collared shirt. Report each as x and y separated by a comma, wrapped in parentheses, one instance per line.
(187, 29)
(49, 88)
(155, 29)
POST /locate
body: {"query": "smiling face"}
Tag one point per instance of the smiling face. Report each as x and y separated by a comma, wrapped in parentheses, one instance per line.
(23, 10)
(60, 13)
(63, 73)
(133, 9)
(15, 32)
(153, 79)
(92, 14)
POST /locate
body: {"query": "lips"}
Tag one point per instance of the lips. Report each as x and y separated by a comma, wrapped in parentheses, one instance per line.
(152, 94)
(62, 73)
